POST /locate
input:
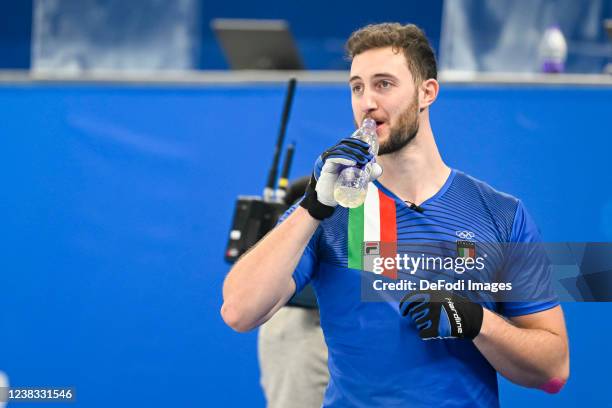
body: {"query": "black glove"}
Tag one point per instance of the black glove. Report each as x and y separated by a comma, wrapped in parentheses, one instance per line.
(319, 199)
(442, 315)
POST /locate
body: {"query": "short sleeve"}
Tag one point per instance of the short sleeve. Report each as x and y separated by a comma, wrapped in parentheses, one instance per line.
(528, 268)
(305, 268)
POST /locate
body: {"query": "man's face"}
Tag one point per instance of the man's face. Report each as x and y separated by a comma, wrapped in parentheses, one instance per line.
(382, 88)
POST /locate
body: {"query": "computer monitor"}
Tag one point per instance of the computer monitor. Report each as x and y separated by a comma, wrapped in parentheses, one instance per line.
(257, 44)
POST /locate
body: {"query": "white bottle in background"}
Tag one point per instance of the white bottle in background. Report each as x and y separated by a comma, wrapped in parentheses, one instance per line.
(553, 50)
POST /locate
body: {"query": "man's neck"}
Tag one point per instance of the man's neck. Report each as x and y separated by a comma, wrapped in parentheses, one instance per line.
(416, 172)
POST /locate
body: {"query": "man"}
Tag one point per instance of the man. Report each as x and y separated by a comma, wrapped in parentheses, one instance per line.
(377, 352)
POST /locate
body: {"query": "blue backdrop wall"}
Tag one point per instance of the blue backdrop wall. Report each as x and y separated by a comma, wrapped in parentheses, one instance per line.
(116, 206)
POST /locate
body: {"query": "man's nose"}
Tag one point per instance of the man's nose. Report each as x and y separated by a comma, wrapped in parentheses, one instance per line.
(368, 102)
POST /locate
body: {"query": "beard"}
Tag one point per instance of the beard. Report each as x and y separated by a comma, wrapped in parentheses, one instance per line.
(404, 131)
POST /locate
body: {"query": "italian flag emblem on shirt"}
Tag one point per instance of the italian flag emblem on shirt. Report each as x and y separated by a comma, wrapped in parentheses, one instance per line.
(466, 249)
(372, 222)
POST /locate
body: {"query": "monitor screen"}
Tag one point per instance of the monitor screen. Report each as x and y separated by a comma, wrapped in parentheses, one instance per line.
(257, 44)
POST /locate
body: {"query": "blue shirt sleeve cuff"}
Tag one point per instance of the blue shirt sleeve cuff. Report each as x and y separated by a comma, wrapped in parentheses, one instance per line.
(513, 309)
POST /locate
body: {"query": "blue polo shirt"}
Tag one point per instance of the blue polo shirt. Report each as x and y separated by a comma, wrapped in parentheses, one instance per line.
(376, 357)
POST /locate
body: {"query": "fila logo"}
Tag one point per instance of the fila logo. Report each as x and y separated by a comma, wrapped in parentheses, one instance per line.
(465, 234)
(371, 248)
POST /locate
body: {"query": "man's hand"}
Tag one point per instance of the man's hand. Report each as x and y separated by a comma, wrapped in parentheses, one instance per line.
(319, 199)
(442, 315)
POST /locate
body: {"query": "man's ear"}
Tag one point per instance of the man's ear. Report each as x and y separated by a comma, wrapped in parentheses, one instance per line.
(428, 92)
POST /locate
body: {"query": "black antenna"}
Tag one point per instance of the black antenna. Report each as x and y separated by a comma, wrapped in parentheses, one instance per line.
(269, 190)
(283, 181)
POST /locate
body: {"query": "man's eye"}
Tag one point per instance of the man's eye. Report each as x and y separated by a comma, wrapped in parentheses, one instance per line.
(384, 84)
(357, 88)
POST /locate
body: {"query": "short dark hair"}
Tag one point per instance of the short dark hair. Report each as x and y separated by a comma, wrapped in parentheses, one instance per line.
(407, 38)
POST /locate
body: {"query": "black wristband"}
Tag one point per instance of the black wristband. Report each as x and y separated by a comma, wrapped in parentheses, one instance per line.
(314, 207)
(473, 324)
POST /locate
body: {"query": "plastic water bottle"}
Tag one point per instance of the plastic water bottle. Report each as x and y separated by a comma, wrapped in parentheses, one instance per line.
(553, 50)
(352, 184)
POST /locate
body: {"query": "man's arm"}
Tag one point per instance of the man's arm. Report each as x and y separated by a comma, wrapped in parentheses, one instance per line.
(531, 350)
(261, 282)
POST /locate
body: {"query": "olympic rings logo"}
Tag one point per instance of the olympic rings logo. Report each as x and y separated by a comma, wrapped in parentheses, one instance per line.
(465, 234)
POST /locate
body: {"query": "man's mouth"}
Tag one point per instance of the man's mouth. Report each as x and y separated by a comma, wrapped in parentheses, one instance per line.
(380, 123)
